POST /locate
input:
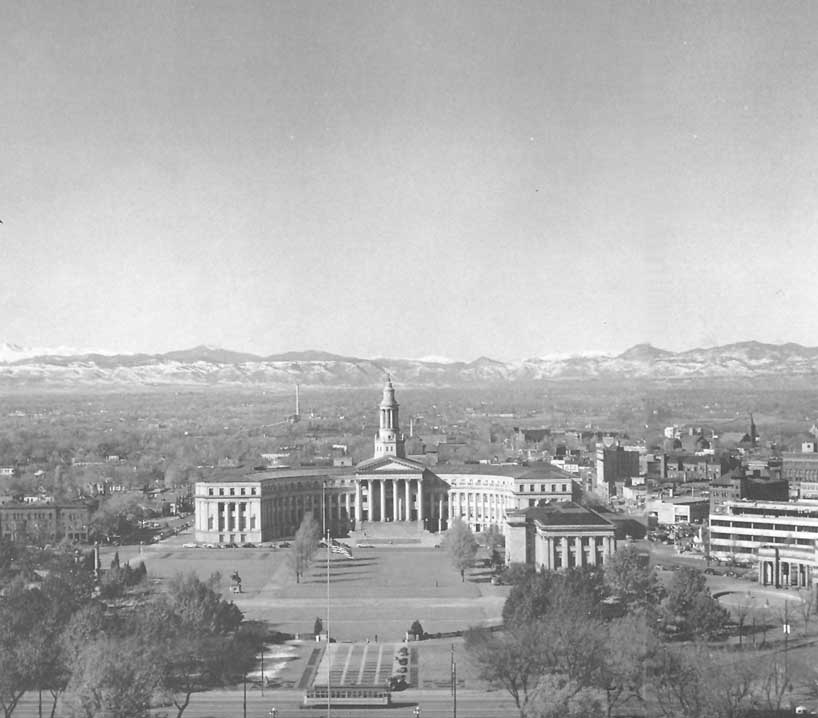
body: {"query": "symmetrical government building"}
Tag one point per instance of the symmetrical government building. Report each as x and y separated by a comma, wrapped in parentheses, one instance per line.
(240, 506)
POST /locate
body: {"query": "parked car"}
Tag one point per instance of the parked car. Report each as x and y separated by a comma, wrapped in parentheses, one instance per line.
(190, 545)
(284, 544)
(397, 683)
(496, 581)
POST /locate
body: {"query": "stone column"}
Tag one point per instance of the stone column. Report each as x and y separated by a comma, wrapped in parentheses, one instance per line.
(578, 550)
(382, 489)
(440, 512)
(347, 505)
(395, 515)
(358, 502)
(408, 505)
(564, 551)
(369, 501)
(420, 502)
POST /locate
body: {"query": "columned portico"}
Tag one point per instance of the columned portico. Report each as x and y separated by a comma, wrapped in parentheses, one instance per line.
(407, 504)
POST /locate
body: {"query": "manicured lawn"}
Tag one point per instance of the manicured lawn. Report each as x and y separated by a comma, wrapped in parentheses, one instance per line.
(379, 591)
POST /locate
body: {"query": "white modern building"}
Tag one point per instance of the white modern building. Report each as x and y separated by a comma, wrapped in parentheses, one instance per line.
(780, 535)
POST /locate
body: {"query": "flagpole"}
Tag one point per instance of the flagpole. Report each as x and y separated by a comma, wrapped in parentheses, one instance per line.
(329, 641)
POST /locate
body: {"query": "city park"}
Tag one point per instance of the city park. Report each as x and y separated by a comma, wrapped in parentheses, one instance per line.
(392, 626)
(370, 601)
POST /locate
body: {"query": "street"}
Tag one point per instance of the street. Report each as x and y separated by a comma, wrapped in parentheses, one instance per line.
(230, 704)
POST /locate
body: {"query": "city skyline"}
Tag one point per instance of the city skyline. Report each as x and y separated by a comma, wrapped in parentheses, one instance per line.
(408, 180)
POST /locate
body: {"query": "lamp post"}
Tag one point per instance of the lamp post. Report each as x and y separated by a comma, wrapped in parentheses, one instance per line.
(416, 712)
(273, 712)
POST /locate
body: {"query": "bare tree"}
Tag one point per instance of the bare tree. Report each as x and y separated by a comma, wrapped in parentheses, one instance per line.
(774, 684)
(304, 546)
(461, 545)
(741, 611)
(514, 660)
(807, 609)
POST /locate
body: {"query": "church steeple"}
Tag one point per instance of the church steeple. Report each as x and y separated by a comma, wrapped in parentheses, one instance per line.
(389, 441)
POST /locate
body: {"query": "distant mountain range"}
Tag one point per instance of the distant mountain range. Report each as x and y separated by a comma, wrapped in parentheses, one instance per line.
(209, 366)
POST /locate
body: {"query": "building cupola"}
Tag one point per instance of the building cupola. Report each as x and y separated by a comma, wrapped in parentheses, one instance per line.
(388, 441)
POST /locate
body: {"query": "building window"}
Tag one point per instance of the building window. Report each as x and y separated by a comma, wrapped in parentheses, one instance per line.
(564, 488)
(253, 491)
(210, 492)
(232, 491)
(542, 488)
(531, 487)
(242, 491)
(221, 492)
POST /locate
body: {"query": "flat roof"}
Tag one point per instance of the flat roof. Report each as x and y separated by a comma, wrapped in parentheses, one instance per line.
(533, 472)
(245, 474)
(686, 500)
(564, 513)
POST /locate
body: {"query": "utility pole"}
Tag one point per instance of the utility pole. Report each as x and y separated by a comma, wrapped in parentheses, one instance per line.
(786, 640)
(454, 685)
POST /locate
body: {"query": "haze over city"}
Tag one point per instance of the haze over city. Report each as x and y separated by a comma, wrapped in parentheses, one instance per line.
(407, 179)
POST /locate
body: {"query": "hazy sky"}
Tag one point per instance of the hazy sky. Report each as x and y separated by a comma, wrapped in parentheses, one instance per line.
(507, 179)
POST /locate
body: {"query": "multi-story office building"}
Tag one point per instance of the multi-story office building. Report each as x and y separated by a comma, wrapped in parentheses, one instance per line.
(780, 535)
(45, 522)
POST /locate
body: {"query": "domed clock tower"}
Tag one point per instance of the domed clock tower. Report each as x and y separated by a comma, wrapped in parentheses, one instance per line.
(389, 441)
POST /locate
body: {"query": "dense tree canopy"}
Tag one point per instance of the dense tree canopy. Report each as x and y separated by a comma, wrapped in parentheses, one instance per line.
(690, 610)
(632, 579)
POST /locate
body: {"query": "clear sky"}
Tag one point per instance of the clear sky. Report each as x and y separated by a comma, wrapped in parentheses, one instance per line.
(509, 179)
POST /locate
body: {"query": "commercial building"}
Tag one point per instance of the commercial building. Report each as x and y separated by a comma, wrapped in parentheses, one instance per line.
(240, 506)
(679, 509)
(780, 535)
(559, 536)
(799, 468)
(614, 463)
(733, 487)
(45, 522)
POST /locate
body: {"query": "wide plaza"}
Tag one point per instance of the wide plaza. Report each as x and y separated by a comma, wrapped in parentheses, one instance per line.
(380, 591)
